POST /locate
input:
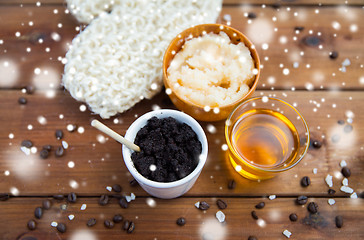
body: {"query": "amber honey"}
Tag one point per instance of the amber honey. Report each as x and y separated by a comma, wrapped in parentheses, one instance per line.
(262, 139)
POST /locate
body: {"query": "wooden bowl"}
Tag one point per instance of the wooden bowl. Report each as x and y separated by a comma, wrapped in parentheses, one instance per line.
(199, 112)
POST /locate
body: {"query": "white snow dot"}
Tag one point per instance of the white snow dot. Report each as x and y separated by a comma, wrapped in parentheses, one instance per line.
(71, 164)
(81, 130)
(73, 184)
(82, 108)
(17, 34)
(30, 127)
(151, 202)
(265, 46)
(285, 71)
(211, 128)
(14, 191)
(37, 71)
(265, 99)
(152, 167)
(238, 168)
(7, 173)
(224, 147)
(11, 135)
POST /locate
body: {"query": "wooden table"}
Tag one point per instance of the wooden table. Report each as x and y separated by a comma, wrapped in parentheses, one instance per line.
(299, 35)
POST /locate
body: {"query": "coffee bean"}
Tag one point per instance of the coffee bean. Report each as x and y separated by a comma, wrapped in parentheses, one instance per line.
(126, 225)
(91, 222)
(299, 28)
(204, 205)
(361, 195)
(44, 153)
(38, 212)
(232, 184)
(305, 181)
(47, 147)
(221, 204)
(116, 188)
(312, 207)
(346, 172)
(341, 122)
(59, 134)
(108, 223)
(103, 200)
(252, 238)
(29, 89)
(301, 200)
(131, 227)
(72, 197)
(123, 203)
(32, 225)
(133, 183)
(331, 191)
(260, 205)
(333, 55)
(117, 218)
(181, 221)
(311, 41)
(316, 144)
(59, 152)
(339, 221)
(276, 5)
(61, 227)
(4, 196)
(27, 143)
(252, 15)
(22, 100)
(46, 204)
(293, 217)
(58, 197)
(254, 215)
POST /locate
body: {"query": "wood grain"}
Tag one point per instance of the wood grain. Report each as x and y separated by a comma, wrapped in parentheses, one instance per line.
(313, 70)
(98, 161)
(273, 219)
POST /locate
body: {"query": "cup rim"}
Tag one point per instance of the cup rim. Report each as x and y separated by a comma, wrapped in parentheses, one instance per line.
(253, 51)
(254, 166)
(140, 122)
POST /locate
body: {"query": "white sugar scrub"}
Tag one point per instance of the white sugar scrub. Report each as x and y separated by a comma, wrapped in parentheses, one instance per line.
(116, 61)
(211, 71)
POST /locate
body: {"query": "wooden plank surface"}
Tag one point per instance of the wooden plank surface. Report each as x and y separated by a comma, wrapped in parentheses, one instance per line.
(99, 164)
(239, 224)
(309, 67)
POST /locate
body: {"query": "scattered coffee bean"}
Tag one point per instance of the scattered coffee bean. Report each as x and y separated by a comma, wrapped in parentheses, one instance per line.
(72, 197)
(126, 225)
(361, 195)
(61, 227)
(276, 5)
(311, 41)
(316, 144)
(46, 204)
(221, 204)
(58, 197)
(123, 203)
(339, 221)
(331, 191)
(252, 238)
(133, 183)
(22, 100)
(346, 172)
(47, 147)
(131, 227)
(59, 152)
(181, 221)
(44, 153)
(4, 196)
(333, 55)
(32, 225)
(312, 207)
(254, 215)
(29, 89)
(108, 223)
(301, 200)
(116, 188)
(260, 205)
(103, 200)
(293, 217)
(305, 181)
(232, 184)
(299, 28)
(341, 122)
(38, 212)
(204, 205)
(117, 218)
(91, 222)
(27, 143)
(252, 15)
(59, 134)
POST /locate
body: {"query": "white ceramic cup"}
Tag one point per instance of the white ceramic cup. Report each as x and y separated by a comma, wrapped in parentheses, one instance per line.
(169, 189)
